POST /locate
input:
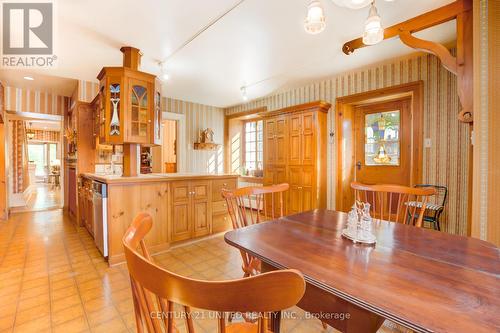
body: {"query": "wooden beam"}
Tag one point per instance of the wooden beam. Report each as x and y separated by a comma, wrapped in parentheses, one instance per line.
(418, 23)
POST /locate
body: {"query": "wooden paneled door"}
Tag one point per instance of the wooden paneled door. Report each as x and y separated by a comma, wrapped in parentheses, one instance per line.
(275, 143)
(382, 134)
(302, 139)
(181, 229)
(301, 196)
(201, 208)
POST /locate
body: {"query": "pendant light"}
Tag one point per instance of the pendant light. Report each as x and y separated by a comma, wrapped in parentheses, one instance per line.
(164, 76)
(30, 133)
(374, 33)
(244, 93)
(315, 20)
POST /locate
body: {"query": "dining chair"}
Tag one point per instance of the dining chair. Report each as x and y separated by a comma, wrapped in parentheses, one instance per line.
(252, 205)
(435, 206)
(394, 202)
(155, 290)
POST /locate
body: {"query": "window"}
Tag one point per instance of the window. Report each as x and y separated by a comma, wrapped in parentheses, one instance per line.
(253, 148)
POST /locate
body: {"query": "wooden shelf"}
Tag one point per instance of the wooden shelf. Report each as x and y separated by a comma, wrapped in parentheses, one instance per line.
(206, 146)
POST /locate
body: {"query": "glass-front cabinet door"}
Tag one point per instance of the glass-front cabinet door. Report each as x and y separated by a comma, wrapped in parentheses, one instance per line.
(139, 111)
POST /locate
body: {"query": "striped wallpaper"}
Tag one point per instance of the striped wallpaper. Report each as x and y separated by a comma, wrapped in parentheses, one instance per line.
(199, 117)
(87, 90)
(19, 157)
(445, 162)
(25, 100)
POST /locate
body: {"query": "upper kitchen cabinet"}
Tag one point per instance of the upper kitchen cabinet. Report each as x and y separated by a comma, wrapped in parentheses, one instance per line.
(129, 108)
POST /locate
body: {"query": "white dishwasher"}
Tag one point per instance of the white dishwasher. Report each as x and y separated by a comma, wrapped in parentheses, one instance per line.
(100, 201)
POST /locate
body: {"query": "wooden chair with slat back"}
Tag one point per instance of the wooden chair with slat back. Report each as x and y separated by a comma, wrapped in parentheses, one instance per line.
(155, 290)
(252, 205)
(390, 202)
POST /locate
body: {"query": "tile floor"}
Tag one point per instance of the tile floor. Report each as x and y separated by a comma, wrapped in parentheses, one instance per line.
(53, 279)
(44, 196)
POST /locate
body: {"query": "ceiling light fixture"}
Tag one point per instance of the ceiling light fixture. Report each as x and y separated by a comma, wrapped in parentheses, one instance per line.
(374, 33)
(315, 20)
(29, 78)
(244, 93)
(164, 76)
(30, 134)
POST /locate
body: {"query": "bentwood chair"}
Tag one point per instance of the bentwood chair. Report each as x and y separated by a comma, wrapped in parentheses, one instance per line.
(435, 206)
(252, 205)
(394, 202)
(155, 290)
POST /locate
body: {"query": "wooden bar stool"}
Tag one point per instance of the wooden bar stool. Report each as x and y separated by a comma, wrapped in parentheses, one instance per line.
(395, 203)
(155, 290)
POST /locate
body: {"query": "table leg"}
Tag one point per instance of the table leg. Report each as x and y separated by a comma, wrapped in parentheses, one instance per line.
(275, 321)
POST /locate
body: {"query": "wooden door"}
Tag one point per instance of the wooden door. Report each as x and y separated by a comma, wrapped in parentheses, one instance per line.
(307, 137)
(302, 190)
(269, 146)
(280, 140)
(383, 143)
(3, 179)
(201, 207)
(295, 121)
(181, 226)
(295, 191)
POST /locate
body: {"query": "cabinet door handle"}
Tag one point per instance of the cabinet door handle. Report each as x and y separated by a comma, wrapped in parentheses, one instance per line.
(225, 184)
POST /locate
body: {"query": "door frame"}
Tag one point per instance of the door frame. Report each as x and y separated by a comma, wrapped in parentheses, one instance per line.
(181, 138)
(344, 120)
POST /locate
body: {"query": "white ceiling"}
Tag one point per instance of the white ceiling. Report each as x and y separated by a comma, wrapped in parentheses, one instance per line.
(260, 40)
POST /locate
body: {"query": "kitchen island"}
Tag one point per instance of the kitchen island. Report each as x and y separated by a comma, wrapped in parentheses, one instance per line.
(184, 206)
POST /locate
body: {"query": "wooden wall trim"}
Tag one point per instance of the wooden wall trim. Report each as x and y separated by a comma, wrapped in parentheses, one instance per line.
(227, 143)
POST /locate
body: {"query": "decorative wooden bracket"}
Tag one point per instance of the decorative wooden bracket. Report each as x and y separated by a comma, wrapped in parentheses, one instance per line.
(461, 65)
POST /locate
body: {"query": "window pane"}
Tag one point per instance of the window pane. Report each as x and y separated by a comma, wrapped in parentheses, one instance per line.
(260, 146)
(250, 136)
(382, 145)
(260, 125)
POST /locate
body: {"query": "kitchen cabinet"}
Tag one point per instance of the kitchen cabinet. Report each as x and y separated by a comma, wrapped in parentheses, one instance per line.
(191, 209)
(220, 218)
(85, 205)
(129, 105)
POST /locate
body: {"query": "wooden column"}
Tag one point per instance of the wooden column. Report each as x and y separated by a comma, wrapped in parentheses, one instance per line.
(485, 222)
(130, 159)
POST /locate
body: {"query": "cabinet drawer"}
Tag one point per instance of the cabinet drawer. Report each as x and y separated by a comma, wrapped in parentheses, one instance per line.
(221, 223)
(219, 207)
(219, 184)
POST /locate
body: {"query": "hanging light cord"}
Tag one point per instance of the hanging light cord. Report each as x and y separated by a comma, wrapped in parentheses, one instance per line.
(202, 30)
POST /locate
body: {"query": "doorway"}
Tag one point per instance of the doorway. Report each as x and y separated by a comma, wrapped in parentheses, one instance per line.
(379, 139)
(40, 165)
(170, 133)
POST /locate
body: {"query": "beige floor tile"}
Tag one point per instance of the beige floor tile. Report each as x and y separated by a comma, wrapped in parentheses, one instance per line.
(76, 325)
(39, 325)
(66, 314)
(65, 302)
(102, 315)
(115, 325)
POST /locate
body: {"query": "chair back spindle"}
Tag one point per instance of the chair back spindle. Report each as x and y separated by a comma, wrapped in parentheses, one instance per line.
(155, 289)
(395, 203)
(251, 205)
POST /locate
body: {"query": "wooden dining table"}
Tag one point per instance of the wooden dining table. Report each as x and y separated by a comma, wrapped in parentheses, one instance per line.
(425, 280)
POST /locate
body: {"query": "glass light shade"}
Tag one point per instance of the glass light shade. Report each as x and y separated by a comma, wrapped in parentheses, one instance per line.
(352, 4)
(374, 33)
(315, 20)
(30, 134)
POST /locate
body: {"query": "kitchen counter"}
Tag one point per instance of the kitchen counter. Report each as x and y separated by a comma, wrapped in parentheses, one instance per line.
(154, 177)
(183, 206)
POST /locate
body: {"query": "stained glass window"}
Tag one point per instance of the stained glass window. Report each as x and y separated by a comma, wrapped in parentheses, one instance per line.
(382, 138)
(139, 111)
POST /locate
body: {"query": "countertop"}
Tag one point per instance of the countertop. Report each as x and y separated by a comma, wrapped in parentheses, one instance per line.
(154, 177)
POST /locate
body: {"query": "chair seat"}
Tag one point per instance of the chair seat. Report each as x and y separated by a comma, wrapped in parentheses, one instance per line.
(243, 328)
(428, 206)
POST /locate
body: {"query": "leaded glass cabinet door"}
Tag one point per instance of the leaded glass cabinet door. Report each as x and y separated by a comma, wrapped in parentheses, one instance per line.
(139, 117)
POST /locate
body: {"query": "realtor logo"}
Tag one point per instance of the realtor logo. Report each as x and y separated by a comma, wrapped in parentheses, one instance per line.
(28, 34)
